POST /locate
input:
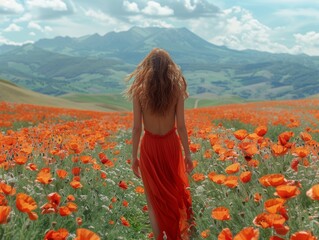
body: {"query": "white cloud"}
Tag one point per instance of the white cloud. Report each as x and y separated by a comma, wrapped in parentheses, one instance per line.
(298, 12)
(13, 28)
(10, 6)
(37, 26)
(149, 22)
(25, 18)
(47, 29)
(32, 34)
(236, 28)
(100, 16)
(155, 9)
(56, 5)
(9, 42)
(307, 43)
(131, 6)
(34, 25)
(188, 5)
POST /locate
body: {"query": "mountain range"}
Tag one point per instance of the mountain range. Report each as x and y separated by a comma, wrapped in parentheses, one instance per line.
(99, 64)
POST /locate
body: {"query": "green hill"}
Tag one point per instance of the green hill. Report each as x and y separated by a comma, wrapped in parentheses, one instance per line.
(10, 92)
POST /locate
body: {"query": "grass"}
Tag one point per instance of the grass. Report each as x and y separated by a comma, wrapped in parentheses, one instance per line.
(117, 101)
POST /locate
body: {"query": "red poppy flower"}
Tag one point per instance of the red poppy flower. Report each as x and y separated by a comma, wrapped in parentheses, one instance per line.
(231, 181)
(302, 235)
(221, 213)
(44, 176)
(286, 191)
(261, 130)
(123, 185)
(225, 234)
(273, 205)
(245, 176)
(125, 222)
(233, 168)
(62, 173)
(313, 192)
(76, 184)
(7, 189)
(85, 234)
(4, 213)
(272, 180)
(139, 190)
(248, 233)
(60, 234)
(198, 177)
(25, 203)
(205, 233)
(54, 198)
(241, 134)
(64, 211)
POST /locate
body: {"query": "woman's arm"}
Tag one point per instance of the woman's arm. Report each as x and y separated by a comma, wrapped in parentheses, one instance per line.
(136, 134)
(182, 132)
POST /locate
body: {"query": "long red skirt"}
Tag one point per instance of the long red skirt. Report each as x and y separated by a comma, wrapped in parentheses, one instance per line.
(166, 185)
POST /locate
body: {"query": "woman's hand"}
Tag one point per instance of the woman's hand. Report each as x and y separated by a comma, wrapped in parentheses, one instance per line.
(189, 164)
(136, 167)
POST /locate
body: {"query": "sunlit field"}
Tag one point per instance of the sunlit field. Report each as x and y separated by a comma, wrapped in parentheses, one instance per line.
(65, 174)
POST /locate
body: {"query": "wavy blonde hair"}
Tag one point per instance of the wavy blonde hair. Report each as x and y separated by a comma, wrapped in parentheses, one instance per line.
(158, 82)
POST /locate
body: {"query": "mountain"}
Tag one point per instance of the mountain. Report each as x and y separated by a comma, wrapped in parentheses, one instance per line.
(99, 64)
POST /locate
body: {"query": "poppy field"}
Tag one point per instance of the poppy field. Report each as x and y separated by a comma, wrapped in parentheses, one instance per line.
(66, 174)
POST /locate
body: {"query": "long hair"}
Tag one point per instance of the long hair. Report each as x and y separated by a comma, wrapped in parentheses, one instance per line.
(158, 82)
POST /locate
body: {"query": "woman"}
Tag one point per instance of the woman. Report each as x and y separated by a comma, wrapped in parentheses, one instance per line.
(158, 93)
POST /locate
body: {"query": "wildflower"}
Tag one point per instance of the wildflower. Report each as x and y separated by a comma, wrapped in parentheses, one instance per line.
(44, 176)
(62, 173)
(245, 176)
(313, 192)
(225, 234)
(233, 168)
(85, 234)
(272, 180)
(286, 191)
(76, 184)
(7, 189)
(79, 221)
(25, 203)
(205, 233)
(302, 235)
(139, 190)
(60, 234)
(231, 181)
(261, 130)
(123, 185)
(221, 213)
(4, 213)
(273, 205)
(198, 177)
(257, 197)
(125, 222)
(241, 134)
(248, 233)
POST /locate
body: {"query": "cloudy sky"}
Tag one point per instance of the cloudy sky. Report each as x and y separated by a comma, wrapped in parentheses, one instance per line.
(267, 25)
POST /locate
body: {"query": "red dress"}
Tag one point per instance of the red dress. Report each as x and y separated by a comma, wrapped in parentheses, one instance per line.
(166, 185)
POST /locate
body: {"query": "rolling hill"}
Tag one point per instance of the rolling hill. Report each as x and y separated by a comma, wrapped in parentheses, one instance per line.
(10, 92)
(98, 64)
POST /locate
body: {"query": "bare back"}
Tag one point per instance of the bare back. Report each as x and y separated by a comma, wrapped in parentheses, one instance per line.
(159, 124)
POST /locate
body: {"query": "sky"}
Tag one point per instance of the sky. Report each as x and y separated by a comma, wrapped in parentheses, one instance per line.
(278, 26)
